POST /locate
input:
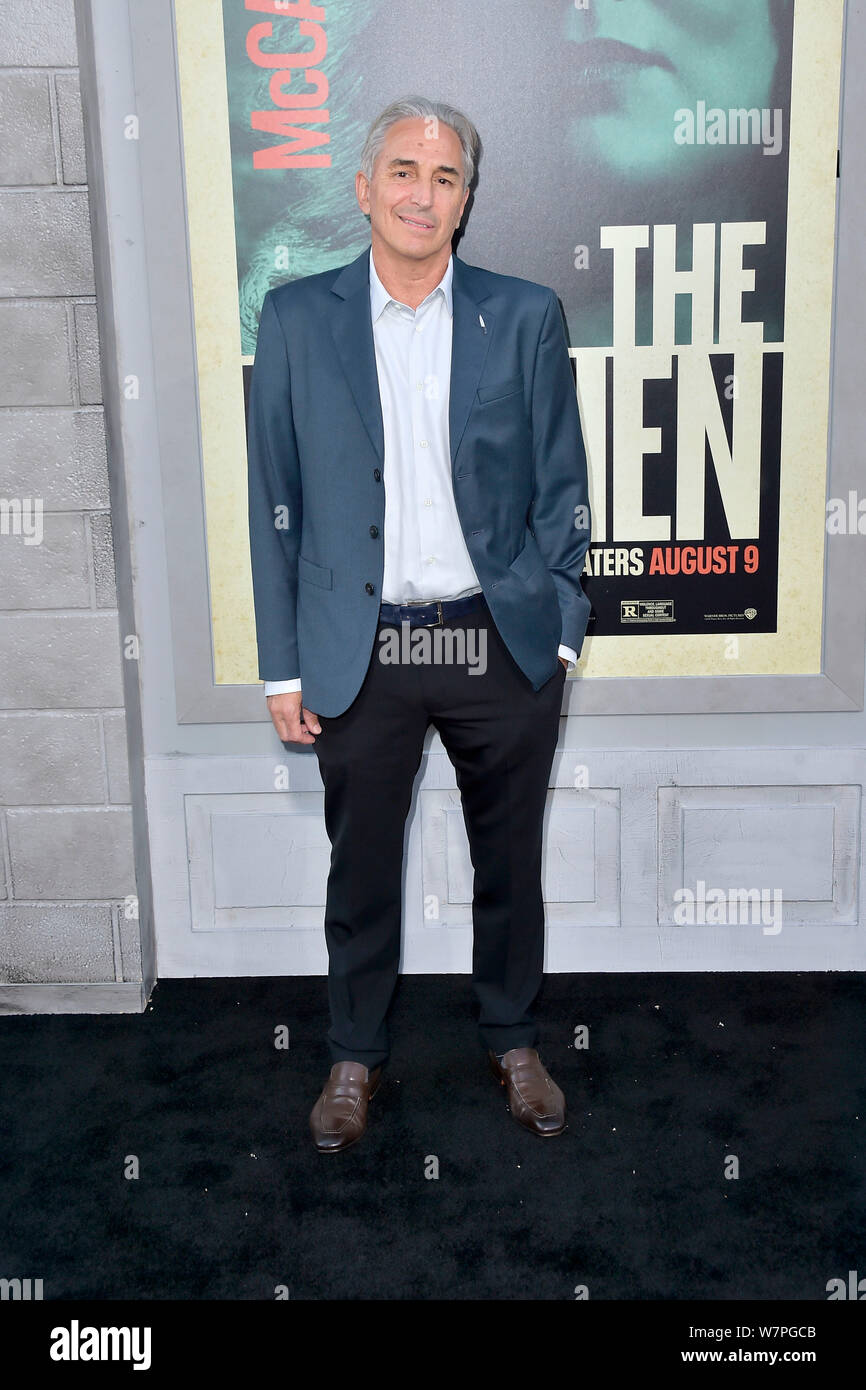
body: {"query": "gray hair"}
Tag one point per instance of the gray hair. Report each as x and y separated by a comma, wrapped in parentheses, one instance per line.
(406, 107)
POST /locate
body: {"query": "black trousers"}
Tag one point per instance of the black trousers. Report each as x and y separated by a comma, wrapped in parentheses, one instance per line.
(500, 736)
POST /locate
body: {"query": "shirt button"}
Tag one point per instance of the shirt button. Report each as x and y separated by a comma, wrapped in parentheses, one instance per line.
(423, 443)
(428, 501)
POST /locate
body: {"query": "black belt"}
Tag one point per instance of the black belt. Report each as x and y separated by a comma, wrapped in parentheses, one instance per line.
(434, 612)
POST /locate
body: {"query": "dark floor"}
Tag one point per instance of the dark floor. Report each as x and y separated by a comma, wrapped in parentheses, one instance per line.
(632, 1201)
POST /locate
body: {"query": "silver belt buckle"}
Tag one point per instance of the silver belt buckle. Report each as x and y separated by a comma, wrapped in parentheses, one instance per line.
(438, 622)
(425, 603)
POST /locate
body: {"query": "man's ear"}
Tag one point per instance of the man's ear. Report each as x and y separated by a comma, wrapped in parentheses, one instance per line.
(362, 191)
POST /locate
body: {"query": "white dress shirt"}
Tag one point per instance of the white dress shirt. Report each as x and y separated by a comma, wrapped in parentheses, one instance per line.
(425, 553)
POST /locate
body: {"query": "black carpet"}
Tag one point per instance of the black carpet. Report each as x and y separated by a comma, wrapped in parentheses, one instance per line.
(632, 1201)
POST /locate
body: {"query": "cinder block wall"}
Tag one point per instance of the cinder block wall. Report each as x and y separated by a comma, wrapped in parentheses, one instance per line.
(66, 850)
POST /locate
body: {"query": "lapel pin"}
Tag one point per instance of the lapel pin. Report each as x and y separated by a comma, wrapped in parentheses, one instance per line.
(481, 321)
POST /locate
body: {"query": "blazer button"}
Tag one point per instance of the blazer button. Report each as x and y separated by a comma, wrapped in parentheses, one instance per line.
(369, 588)
(377, 475)
(374, 531)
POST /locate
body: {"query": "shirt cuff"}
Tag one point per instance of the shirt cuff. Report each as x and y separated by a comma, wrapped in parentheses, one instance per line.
(281, 687)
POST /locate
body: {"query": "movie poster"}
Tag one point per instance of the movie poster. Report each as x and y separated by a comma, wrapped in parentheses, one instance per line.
(668, 167)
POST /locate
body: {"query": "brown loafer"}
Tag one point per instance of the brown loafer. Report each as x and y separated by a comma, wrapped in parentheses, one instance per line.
(533, 1097)
(339, 1116)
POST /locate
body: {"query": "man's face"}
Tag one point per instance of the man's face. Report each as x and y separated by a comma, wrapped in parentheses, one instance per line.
(416, 197)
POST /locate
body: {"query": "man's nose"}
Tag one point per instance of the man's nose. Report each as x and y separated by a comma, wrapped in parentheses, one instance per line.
(422, 193)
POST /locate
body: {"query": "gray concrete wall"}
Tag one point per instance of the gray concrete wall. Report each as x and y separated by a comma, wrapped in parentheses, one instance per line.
(68, 904)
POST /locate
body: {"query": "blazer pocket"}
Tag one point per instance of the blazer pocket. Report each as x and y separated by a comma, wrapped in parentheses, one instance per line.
(527, 561)
(315, 574)
(498, 389)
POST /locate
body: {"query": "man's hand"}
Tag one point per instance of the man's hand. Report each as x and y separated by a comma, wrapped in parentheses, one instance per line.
(293, 723)
(564, 660)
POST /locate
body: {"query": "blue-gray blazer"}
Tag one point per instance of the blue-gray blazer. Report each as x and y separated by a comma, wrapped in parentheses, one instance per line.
(317, 487)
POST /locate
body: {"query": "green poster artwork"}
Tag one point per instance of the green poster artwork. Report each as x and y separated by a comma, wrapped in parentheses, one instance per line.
(590, 115)
(293, 168)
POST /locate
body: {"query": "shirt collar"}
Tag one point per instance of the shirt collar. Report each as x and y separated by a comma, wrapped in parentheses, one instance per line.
(380, 298)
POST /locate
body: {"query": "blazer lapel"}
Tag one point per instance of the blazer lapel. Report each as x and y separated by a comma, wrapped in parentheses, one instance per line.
(352, 329)
(470, 340)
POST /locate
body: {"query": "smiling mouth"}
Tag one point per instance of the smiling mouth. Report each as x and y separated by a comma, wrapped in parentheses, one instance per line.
(414, 222)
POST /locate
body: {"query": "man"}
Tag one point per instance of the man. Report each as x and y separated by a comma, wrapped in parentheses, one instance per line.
(416, 462)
